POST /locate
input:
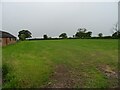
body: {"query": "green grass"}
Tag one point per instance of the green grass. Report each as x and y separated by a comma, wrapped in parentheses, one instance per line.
(31, 63)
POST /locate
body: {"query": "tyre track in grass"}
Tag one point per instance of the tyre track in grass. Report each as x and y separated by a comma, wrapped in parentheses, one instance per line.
(63, 78)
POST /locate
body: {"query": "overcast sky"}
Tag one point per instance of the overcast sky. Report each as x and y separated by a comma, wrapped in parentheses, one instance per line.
(53, 18)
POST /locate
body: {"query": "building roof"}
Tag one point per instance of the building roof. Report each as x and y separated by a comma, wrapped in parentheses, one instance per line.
(4, 34)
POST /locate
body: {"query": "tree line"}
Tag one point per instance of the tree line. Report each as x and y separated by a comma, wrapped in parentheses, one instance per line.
(81, 33)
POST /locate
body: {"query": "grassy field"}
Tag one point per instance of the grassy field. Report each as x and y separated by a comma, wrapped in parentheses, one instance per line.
(81, 63)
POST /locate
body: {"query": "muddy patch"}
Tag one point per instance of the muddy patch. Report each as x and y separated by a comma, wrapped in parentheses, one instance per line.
(110, 74)
(108, 71)
(62, 78)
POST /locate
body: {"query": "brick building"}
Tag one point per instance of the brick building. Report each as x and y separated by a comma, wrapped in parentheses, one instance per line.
(6, 38)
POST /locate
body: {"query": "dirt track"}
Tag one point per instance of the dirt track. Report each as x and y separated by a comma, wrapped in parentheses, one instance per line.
(62, 78)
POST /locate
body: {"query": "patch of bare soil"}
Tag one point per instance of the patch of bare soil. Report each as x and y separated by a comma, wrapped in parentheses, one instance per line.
(111, 75)
(62, 78)
(108, 71)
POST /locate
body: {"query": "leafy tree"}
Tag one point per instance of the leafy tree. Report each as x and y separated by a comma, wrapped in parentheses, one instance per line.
(82, 33)
(82, 30)
(22, 37)
(45, 36)
(23, 34)
(88, 34)
(100, 34)
(63, 35)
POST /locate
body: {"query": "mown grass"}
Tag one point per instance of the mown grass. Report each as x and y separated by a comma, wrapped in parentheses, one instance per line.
(31, 63)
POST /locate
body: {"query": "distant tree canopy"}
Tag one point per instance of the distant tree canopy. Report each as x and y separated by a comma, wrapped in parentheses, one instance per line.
(100, 35)
(82, 33)
(63, 35)
(23, 34)
(45, 36)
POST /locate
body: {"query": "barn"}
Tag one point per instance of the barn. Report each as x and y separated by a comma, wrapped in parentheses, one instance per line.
(6, 38)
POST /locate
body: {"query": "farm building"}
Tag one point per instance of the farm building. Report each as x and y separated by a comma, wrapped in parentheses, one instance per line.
(6, 38)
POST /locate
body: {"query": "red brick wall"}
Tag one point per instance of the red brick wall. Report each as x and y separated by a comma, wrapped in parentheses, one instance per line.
(7, 41)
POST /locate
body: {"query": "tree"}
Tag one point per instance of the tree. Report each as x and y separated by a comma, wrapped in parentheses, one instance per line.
(82, 33)
(82, 30)
(23, 34)
(100, 34)
(63, 35)
(88, 34)
(45, 36)
(22, 37)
